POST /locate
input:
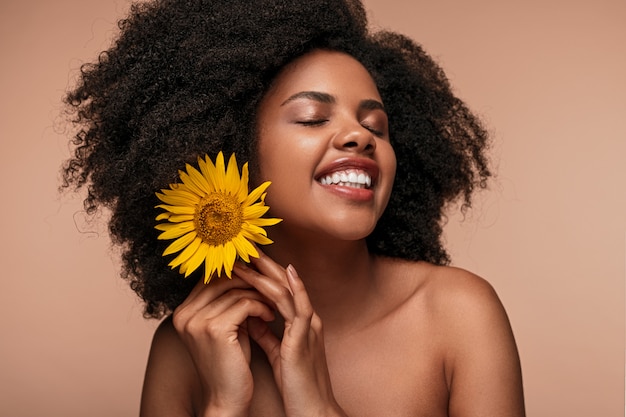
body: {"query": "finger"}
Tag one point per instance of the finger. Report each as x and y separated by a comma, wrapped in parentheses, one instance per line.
(268, 267)
(190, 318)
(277, 292)
(229, 299)
(263, 336)
(224, 327)
(235, 316)
(203, 294)
(302, 304)
(301, 297)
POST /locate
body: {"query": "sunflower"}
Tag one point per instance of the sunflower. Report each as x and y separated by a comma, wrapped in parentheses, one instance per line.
(213, 218)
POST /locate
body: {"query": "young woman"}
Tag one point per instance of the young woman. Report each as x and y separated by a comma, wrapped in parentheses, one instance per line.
(352, 310)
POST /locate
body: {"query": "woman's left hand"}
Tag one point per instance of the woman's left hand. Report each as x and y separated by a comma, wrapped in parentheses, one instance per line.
(299, 360)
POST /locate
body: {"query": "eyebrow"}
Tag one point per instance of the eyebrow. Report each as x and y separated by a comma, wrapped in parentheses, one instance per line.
(311, 95)
(371, 104)
(325, 98)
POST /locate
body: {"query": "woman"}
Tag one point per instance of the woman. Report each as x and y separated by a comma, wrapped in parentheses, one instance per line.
(352, 311)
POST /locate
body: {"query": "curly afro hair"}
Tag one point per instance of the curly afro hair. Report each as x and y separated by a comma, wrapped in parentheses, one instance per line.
(184, 78)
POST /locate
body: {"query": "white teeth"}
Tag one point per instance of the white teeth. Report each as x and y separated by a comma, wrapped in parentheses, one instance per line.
(350, 178)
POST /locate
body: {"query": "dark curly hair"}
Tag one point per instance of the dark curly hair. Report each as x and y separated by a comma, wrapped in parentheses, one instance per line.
(185, 77)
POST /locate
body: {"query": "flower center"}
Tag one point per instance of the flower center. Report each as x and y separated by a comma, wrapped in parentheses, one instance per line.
(218, 218)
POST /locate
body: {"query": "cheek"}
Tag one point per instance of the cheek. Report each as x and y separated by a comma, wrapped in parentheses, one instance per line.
(393, 163)
(278, 165)
(282, 196)
(389, 162)
(388, 167)
(283, 153)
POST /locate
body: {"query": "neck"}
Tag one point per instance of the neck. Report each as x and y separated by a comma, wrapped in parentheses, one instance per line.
(338, 275)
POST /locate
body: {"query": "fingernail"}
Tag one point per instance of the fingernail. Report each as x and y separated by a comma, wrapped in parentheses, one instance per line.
(292, 270)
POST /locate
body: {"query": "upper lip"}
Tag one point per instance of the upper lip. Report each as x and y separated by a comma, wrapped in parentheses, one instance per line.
(342, 164)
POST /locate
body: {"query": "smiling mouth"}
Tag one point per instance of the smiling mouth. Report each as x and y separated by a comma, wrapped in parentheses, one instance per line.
(354, 178)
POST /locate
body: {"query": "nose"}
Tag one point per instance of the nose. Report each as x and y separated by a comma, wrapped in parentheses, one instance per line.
(355, 138)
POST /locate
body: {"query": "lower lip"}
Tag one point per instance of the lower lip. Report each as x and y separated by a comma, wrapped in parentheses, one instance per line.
(351, 193)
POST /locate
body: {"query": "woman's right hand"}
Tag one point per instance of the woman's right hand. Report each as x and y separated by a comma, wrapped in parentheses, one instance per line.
(212, 323)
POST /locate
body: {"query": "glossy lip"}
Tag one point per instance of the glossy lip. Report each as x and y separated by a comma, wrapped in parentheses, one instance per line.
(363, 164)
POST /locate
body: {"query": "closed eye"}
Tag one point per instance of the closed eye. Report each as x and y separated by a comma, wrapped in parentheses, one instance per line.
(374, 131)
(316, 122)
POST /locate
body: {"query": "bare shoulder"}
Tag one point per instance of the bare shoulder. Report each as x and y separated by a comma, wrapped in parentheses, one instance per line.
(170, 380)
(481, 359)
(459, 301)
(453, 302)
(458, 292)
(167, 345)
(445, 291)
(462, 317)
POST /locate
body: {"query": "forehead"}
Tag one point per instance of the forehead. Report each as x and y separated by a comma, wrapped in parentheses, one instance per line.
(331, 72)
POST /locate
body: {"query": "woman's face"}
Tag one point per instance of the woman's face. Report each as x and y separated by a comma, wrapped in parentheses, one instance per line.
(324, 144)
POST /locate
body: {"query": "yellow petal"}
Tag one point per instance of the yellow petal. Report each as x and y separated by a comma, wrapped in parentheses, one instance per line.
(256, 193)
(181, 189)
(179, 198)
(242, 194)
(199, 180)
(255, 211)
(196, 259)
(220, 172)
(218, 257)
(209, 264)
(262, 222)
(190, 184)
(180, 243)
(256, 237)
(178, 209)
(244, 248)
(232, 177)
(230, 254)
(187, 253)
(163, 216)
(208, 171)
(253, 229)
(177, 218)
(174, 230)
(184, 188)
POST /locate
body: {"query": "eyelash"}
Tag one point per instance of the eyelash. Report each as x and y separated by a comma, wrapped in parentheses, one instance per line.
(312, 122)
(374, 131)
(322, 121)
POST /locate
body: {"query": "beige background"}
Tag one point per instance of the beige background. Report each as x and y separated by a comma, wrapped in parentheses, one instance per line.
(548, 77)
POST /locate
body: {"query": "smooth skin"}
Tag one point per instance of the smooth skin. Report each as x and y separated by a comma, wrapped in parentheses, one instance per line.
(317, 326)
